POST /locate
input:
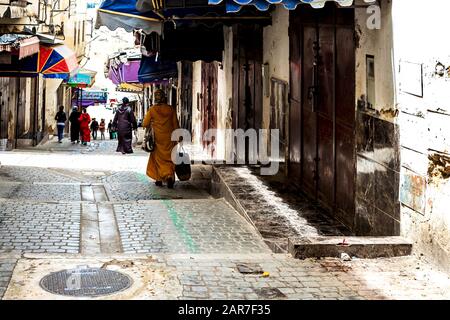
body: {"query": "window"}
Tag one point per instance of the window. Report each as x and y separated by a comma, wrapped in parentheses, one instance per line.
(279, 112)
(370, 81)
(83, 34)
(75, 32)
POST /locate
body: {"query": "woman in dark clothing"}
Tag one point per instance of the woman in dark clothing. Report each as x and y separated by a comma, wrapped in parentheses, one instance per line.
(61, 123)
(74, 125)
(125, 122)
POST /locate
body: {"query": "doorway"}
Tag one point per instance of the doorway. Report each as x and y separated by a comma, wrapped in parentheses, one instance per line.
(209, 103)
(322, 147)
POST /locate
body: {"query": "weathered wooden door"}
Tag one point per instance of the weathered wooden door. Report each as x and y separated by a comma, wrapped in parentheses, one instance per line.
(247, 80)
(186, 96)
(209, 102)
(247, 77)
(322, 57)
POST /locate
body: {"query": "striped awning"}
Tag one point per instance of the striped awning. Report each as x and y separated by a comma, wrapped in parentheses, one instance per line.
(20, 45)
(263, 5)
(123, 14)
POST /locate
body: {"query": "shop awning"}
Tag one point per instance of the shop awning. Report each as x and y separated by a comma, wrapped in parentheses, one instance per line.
(123, 14)
(130, 87)
(83, 78)
(19, 45)
(57, 61)
(52, 62)
(152, 70)
(91, 97)
(263, 5)
(123, 67)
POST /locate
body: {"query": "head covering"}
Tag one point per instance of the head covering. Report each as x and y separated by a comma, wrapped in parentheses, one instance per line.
(125, 100)
(160, 96)
(74, 108)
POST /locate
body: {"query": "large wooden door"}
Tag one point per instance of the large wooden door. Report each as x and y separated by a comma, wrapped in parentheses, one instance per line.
(209, 102)
(247, 83)
(247, 77)
(322, 60)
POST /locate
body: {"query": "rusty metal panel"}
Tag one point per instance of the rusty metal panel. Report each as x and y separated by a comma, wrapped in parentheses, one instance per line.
(413, 189)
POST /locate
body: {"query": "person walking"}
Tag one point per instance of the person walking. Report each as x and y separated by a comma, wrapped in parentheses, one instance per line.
(94, 128)
(110, 130)
(102, 128)
(85, 119)
(125, 122)
(74, 125)
(163, 118)
(61, 119)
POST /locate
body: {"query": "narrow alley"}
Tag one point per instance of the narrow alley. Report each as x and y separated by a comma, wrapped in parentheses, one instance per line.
(224, 150)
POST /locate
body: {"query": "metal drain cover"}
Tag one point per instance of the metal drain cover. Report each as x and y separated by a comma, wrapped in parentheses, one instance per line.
(85, 282)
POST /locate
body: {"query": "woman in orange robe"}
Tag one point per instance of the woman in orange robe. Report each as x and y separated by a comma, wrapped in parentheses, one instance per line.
(163, 118)
(85, 119)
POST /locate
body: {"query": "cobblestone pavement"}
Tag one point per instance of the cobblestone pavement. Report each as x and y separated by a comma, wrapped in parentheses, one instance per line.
(188, 226)
(194, 239)
(39, 227)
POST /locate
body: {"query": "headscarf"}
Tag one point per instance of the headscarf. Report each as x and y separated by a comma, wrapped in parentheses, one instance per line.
(160, 96)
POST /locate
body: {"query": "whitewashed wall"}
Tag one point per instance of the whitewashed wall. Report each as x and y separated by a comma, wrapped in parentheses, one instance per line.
(419, 38)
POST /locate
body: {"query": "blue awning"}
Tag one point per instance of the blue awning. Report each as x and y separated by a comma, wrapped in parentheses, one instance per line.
(152, 70)
(263, 5)
(123, 14)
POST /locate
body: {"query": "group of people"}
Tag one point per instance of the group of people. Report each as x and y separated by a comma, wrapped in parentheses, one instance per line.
(81, 127)
(161, 117)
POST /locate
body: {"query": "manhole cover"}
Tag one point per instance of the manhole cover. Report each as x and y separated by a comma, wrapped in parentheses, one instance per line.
(269, 293)
(85, 282)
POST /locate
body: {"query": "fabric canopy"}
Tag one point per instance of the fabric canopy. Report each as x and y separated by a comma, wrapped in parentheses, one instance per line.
(52, 62)
(130, 87)
(20, 45)
(83, 78)
(263, 5)
(88, 98)
(152, 70)
(123, 14)
(57, 62)
(123, 67)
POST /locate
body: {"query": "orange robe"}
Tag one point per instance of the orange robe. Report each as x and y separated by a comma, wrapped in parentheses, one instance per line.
(164, 120)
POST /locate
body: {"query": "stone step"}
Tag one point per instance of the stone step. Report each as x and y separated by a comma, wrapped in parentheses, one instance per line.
(359, 247)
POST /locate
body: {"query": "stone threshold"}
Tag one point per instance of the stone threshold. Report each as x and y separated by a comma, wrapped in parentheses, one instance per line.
(303, 246)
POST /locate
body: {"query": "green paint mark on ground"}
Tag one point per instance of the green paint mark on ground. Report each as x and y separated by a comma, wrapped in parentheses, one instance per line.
(176, 219)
